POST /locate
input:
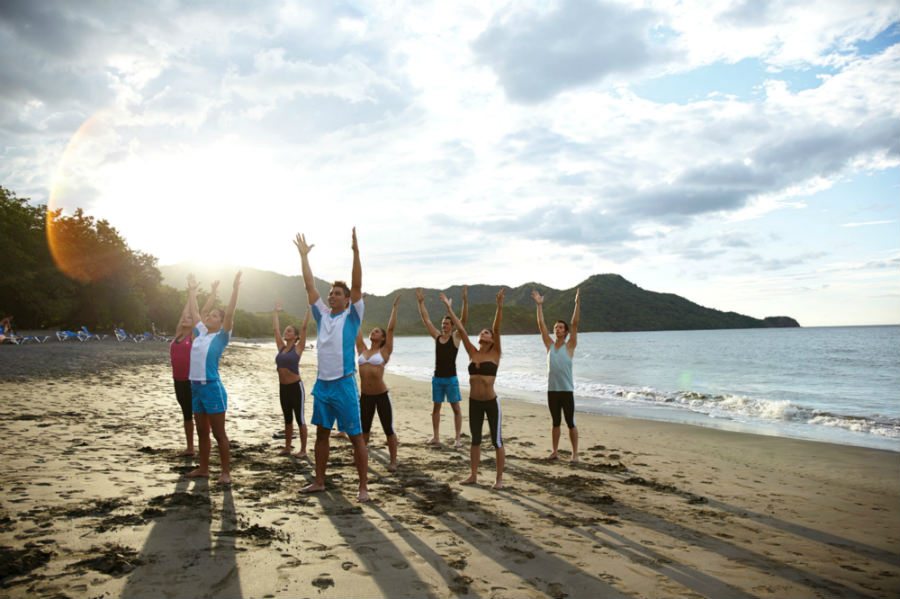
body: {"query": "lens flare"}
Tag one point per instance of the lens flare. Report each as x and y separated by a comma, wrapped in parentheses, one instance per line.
(85, 258)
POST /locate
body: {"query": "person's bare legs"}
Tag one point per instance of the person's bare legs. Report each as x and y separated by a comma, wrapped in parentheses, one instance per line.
(288, 438)
(202, 470)
(392, 450)
(501, 462)
(189, 435)
(303, 435)
(323, 448)
(474, 459)
(457, 422)
(555, 437)
(217, 423)
(436, 424)
(573, 437)
(361, 459)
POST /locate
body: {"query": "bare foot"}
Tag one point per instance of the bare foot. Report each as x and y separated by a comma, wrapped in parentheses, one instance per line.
(458, 444)
(392, 467)
(574, 459)
(553, 456)
(197, 473)
(285, 451)
(313, 488)
(187, 453)
(224, 479)
(363, 495)
(300, 454)
(497, 485)
(469, 481)
(434, 441)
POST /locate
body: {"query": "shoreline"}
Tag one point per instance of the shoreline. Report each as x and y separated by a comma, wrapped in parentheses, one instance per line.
(92, 501)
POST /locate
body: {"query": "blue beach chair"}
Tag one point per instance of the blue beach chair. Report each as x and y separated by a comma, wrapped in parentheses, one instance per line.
(89, 335)
(67, 335)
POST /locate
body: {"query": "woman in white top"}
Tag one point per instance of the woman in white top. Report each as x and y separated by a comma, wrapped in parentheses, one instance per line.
(373, 392)
(560, 381)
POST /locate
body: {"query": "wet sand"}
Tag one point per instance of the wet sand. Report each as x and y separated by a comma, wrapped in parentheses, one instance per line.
(93, 502)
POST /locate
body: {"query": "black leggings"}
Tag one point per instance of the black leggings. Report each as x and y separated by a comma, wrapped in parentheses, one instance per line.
(477, 411)
(183, 395)
(381, 402)
(292, 396)
(562, 401)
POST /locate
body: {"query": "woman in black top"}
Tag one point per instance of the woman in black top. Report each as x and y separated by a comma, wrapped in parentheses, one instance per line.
(482, 399)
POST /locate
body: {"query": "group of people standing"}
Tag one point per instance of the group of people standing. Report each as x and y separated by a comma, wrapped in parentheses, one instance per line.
(341, 351)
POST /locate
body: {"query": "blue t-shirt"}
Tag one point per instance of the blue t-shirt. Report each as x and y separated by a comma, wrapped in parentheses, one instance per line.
(336, 342)
(206, 351)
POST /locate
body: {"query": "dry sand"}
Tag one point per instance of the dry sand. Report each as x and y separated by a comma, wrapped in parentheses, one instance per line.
(93, 504)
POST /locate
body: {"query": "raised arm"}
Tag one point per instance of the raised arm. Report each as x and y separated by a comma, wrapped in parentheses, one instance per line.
(356, 276)
(360, 344)
(232, 304)
(302, 340)
(309, 282)
(192, 299)
(276, 326)
(464, 316)
(388, 348)
(498, 318)
(185, 313)
(420, 300)
(210, 300)
(542, 324)
(470, 349)
(576, 315)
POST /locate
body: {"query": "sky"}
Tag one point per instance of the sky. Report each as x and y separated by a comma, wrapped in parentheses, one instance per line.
(744, 154)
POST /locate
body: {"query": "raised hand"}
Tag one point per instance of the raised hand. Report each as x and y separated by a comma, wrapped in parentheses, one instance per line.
(420, 295)
(577, 295)
(354, 245)
(500, 296)
(446, 301)
(396, 300)
(465, 292)
(214, 287)
(192, 281)
(278, 307)
(538, 298)
(303, 247)
(237, 280)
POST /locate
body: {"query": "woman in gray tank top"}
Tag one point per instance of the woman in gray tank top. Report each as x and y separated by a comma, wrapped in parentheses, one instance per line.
(560, 382)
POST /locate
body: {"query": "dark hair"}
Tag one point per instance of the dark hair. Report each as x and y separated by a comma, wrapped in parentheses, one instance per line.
(383, 335)
(343, 286)
(564, 323)
(219, 310)
(447, 318)
(296, 330)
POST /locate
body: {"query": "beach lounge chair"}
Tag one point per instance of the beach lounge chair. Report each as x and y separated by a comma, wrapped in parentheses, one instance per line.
(123, 335)
(36, 338)
(147, 336)
(66, 335)
(89, 335)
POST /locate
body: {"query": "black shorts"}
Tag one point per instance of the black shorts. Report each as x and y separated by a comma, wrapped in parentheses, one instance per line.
(368, 404)
(292, 398)
(183, 395)
(561, 401)
(477, 411)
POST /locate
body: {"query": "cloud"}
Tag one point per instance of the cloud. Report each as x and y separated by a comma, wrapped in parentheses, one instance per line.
(537, 54)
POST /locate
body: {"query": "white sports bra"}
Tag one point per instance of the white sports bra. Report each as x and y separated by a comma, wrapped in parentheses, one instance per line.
(375, 359)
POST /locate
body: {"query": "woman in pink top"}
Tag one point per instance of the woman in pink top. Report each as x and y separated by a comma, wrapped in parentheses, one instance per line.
(180, 355)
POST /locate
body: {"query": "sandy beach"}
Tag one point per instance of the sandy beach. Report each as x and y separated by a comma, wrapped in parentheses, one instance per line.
(93, 502)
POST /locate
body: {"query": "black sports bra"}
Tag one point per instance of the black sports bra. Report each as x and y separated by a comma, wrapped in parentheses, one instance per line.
(484, 368)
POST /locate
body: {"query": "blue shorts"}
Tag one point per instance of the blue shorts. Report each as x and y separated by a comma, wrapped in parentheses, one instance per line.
(208, 397)
(337, 400)
(445, 386)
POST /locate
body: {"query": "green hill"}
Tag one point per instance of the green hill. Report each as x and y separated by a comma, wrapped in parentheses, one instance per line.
(610, 303)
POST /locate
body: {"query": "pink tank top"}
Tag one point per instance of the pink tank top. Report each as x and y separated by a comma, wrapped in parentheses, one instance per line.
(180, 353)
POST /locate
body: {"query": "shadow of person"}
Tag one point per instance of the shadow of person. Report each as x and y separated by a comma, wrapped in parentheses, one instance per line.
(178, 559)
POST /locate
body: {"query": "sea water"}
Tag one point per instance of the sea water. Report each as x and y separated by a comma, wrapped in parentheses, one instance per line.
(834, 384)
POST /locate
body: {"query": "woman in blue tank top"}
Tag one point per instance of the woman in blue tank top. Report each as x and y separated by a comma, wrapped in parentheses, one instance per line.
(290, 388)
(560, 382)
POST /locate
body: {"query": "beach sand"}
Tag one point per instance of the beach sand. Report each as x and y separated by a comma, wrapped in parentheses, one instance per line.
(93, 503)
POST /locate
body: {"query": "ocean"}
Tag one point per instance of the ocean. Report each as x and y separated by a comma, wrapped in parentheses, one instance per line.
(834, 384)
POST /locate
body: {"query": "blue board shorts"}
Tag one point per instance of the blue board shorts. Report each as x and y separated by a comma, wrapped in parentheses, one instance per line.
(208, 397)
(337, 400)
(445, 386)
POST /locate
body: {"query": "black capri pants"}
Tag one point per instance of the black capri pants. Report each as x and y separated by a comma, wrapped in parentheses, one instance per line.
(292, 398)
(368, 404)
(183, 395)
(477, 411)
(562, 401)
